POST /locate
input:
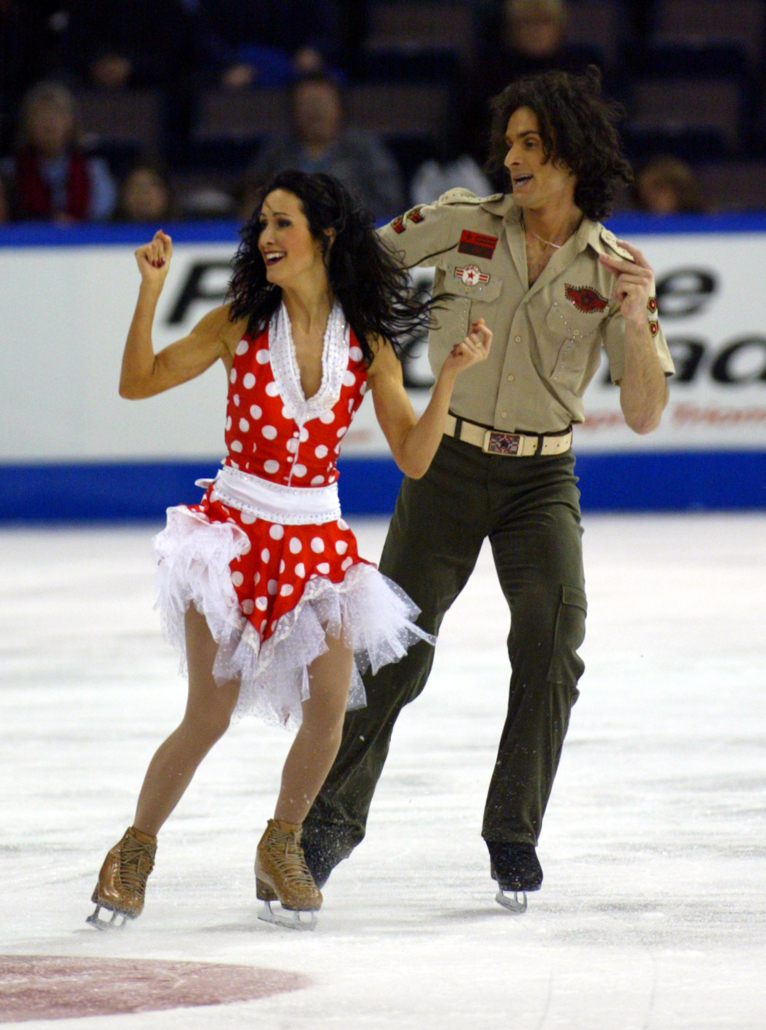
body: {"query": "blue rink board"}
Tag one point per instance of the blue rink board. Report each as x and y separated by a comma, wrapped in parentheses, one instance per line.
(661, 481)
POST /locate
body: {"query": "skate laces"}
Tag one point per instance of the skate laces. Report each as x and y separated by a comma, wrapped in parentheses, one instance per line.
(136, 862)
(284, 847)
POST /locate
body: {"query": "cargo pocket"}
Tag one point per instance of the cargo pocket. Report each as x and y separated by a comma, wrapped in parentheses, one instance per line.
(566, 665)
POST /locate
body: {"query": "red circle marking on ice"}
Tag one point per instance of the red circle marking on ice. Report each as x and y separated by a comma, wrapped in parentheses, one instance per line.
(52, 987)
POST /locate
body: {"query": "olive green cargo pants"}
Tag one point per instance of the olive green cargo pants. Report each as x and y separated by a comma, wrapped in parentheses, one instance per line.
(529, 509)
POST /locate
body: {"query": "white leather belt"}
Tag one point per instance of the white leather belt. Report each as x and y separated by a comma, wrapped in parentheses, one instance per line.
(289, 505)
(510, 445)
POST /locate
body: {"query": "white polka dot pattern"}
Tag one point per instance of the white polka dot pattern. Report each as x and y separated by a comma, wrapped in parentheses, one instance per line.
(276, 434)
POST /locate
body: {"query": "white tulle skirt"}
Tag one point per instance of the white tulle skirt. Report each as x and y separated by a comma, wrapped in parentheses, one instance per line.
(371, 614)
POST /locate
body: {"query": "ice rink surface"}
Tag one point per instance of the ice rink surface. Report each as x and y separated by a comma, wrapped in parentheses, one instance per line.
(653, 911)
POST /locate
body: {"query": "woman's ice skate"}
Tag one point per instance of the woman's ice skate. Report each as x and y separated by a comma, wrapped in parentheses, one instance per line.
(281, 874)
(122, 881)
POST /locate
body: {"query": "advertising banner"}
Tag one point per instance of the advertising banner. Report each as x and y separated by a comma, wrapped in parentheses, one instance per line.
(66, 310)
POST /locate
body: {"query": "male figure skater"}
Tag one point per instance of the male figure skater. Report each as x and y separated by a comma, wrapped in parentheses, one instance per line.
(554, 286)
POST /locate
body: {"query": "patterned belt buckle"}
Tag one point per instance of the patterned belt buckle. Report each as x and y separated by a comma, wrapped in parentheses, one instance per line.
(508, 444)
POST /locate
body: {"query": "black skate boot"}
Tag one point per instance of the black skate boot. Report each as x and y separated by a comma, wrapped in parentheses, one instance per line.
(516, 868)
(323, 849)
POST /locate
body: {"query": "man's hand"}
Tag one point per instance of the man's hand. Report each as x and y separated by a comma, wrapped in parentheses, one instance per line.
(633, 284)
(473, 348)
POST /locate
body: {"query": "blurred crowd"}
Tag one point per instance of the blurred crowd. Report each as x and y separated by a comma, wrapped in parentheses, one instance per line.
(72, 70)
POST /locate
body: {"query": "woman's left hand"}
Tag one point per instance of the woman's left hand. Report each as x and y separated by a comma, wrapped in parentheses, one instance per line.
(473, 348)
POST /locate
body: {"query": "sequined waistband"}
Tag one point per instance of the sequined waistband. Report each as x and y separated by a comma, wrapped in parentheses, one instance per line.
(288, 505)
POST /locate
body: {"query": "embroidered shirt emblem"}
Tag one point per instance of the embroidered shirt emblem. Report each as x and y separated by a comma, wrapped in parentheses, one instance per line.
(398, 224)
(478, 244)
(586, 299)
(472, 275)
(652, 305)
(416, 214)
(654, 327)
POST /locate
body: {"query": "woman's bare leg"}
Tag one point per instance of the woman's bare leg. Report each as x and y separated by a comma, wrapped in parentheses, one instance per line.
(207, 716)
(318, 739)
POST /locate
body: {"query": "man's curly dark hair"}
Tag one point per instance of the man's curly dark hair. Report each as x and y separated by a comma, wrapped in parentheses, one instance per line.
(578, 127)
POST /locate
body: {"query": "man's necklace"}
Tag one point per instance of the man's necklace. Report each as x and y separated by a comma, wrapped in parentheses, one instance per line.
(548, 243)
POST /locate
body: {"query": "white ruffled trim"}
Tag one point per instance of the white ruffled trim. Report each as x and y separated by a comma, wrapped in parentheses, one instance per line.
(284, 364)
(374, 616)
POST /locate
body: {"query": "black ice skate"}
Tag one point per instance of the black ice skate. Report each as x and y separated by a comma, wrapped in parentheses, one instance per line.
(516, 868)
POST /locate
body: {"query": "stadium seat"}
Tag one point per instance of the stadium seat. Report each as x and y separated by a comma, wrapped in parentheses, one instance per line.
(121, 124)
(692, 59)
(412, 26)
(438, 66)
(412, 119)
(597, 24)
(738, 21)
(231, 124)
(689, 144)
(708, 105)
(734, 185)
(399, 110)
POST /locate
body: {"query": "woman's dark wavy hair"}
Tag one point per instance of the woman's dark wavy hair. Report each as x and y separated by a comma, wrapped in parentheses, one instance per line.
(579, 129)
(373, 290)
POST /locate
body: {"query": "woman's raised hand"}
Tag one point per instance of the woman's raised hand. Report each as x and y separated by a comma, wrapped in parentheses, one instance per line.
(473, 348)
(154, 258)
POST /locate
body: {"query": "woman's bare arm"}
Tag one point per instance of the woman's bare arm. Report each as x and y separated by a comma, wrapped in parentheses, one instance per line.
(145, 373)
(414, 441)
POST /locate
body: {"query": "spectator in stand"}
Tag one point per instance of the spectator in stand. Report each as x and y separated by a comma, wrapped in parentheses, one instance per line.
(129, 43)
(519, 37)
(50, 175)
(318, 141)
(145, 195)
(667, 186)
(5, 207)
(263, 43)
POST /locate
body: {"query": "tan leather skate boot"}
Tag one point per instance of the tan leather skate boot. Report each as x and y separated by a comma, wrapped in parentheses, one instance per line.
(122, 881)
(281, 874)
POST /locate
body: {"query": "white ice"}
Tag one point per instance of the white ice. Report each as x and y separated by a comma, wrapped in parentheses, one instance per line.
(652, 911)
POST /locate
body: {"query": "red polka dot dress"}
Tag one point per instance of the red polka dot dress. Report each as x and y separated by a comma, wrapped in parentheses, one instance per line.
(266, 555)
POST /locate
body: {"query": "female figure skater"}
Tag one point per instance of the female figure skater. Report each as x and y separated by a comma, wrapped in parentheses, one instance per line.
(260, 584)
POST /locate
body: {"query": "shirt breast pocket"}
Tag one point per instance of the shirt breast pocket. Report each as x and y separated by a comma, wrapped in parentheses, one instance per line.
(467, 294)
(569, 338)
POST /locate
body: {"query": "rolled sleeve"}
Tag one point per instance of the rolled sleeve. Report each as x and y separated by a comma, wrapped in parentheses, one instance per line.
(614, 345)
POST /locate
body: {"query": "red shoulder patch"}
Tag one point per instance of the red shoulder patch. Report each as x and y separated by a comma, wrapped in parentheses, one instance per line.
(586, 299)
(478, 244)
(416, 215)
(398, 224)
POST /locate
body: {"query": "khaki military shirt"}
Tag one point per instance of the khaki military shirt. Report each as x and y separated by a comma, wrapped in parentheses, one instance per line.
(547, 337)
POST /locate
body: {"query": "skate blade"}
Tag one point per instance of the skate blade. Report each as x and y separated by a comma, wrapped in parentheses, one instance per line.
(512, 904)
(107, 924)
(290, 920)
